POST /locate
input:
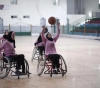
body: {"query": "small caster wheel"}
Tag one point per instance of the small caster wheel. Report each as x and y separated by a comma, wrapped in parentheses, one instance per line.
(51, 74)
(63, 73)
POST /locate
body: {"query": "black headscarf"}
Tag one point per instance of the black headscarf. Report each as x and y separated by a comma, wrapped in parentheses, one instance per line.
(50, 39)
(5, 36)
(5, 32)
(39, 38)
(10, 39)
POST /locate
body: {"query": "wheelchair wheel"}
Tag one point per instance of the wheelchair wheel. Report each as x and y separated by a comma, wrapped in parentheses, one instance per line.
(63, 66)
(5, 67)
(41, 65)
(35, 54)
(26, 67)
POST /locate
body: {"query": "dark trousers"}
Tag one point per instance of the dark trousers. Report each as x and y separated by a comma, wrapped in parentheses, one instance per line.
(55, 60)
(20, 61)
(41, 49)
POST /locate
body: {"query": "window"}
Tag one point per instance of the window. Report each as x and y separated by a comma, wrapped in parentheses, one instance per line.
(26, 16)
(13, 16)
(13, 1)
(56, 2)
(4, 7)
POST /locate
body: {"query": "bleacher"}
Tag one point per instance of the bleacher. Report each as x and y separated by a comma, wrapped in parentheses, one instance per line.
(91, 27)
(94, 21)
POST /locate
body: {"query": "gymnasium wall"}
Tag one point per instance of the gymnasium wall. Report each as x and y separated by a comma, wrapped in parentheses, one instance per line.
(75, 7)
(36, 9)
(91, 5)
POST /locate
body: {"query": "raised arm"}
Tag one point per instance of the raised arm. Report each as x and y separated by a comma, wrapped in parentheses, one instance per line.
(58, 33)
(42, 35)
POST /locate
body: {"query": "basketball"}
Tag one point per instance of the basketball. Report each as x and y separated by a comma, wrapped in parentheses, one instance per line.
(52, 20)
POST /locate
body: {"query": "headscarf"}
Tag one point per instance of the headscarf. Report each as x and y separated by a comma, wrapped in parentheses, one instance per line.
(50, 39)
(5, 32)
(5, 36)
(39, 38)
(10, 39)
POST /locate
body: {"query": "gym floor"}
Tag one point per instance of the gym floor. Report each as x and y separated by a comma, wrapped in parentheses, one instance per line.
(82, 57)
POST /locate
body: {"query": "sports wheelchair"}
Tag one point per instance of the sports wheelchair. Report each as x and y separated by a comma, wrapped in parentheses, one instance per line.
(7, 65)
(45, 65)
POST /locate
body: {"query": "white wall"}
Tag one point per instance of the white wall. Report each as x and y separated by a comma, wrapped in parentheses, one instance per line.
(36, 9)
(4, 1)
(75, 6)
(91, 5)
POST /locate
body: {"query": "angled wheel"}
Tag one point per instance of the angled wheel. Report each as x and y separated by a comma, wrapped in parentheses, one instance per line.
(26, 67)
(5, 67)
(51, 74)
(63, 66)
(41, 65)
(35, 54)
(63, 73)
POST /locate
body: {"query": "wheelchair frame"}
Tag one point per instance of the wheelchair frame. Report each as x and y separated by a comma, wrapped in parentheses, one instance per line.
(7, 65)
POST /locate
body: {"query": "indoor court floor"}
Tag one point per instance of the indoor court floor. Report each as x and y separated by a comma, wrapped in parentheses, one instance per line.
(82, 57)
